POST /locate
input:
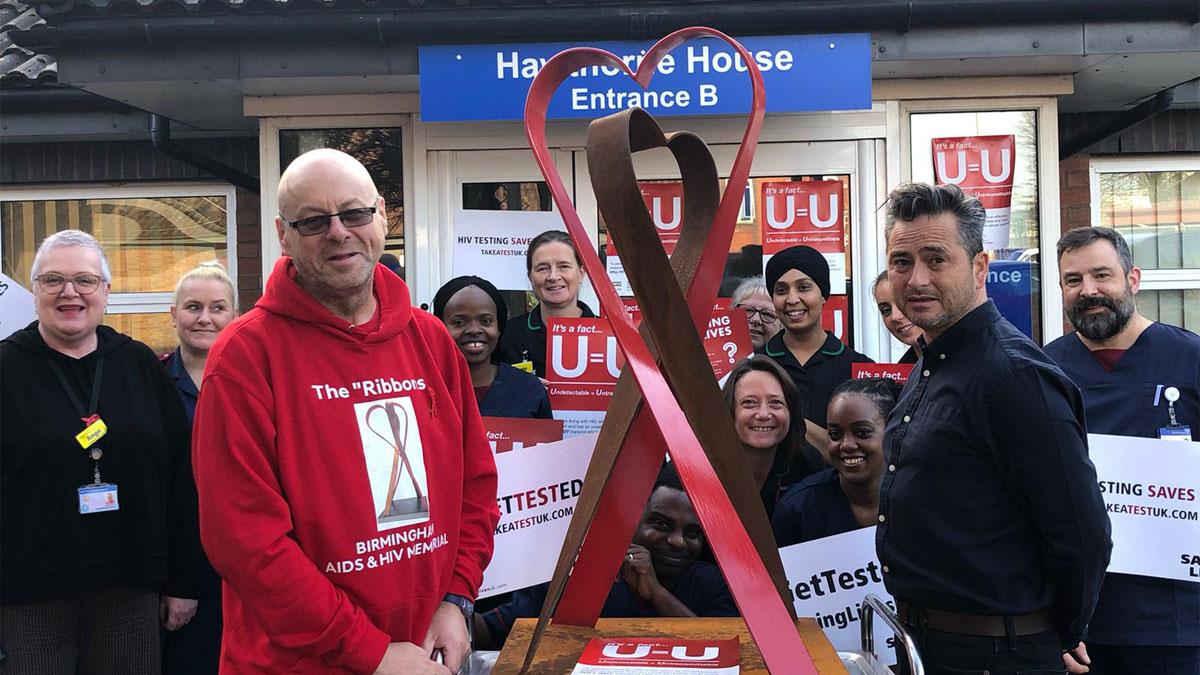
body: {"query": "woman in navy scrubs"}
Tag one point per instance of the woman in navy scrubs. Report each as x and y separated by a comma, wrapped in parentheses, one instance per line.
(845, 497)
(203, 308)
(475, 314)
(555, 272)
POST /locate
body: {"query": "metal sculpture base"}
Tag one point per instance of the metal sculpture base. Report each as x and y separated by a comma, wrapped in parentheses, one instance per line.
(561, 645)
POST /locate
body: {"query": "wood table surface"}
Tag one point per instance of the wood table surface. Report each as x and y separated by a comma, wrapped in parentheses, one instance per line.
(562, 646)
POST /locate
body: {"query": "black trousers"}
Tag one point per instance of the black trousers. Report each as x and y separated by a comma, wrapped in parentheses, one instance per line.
(955, 654)
(110, 631)
(1139, 660)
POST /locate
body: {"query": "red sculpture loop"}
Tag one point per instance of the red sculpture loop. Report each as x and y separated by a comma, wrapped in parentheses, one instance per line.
(713, 479)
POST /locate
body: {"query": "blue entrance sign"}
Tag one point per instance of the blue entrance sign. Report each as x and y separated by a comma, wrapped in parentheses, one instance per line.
(1010, 285)
(702, 77)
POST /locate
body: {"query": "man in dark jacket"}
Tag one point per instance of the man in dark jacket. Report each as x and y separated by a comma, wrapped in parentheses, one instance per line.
(992, 536)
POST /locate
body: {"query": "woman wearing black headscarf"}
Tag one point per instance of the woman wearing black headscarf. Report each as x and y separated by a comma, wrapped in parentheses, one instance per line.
(475, 314)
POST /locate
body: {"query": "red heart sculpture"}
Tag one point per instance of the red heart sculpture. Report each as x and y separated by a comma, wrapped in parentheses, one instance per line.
(764, 612)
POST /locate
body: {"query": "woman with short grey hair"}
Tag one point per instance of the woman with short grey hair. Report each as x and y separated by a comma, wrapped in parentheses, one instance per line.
(752, 297)
(98, 527)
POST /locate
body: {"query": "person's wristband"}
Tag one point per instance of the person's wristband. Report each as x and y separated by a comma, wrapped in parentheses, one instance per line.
(465, 605)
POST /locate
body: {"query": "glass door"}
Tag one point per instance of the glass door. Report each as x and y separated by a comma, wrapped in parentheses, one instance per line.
(838, 176)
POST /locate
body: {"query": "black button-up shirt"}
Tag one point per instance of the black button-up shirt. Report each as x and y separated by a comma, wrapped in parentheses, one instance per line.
(989, 504)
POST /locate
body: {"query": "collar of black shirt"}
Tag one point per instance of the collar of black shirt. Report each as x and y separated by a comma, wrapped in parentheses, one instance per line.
(961, 334)
(776, 348)
(534, 320)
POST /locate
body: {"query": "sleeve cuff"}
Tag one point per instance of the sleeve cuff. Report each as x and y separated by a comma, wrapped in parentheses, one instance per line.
(367, 657)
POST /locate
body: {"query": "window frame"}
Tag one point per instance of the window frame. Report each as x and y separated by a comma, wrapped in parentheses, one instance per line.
(1045, 109)
(140, 302)
(1185, 279)
(268, 161)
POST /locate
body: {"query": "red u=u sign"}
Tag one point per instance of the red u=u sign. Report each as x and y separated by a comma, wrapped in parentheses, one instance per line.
(662, 418)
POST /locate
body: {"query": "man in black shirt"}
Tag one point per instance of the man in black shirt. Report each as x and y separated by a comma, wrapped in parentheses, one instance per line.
(992, 534)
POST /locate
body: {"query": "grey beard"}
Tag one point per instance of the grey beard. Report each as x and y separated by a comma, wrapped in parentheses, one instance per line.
(1103, 326)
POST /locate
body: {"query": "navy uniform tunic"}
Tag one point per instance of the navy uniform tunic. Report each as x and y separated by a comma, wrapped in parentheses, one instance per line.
(989, 504)
(815, 508)
(524, 338)
(1128, 401)
(816, 380)
(515, 393)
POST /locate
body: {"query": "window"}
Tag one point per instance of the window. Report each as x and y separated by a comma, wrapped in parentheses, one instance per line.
(1154, 202)
(379, 149)
(151, 235)
(1012, 232)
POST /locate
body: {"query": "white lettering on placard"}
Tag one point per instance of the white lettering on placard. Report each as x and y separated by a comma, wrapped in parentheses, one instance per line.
(708, 95)
(1004, 277)
(700, 59)
(983, 168)
(512, 65)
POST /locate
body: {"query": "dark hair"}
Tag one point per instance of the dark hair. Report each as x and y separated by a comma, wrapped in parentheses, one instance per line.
(878, 280)
(668, 477)
(1083, 236)
(913, 200)
(549, 237)
(882, 391)
(793, 444)
(452, 287)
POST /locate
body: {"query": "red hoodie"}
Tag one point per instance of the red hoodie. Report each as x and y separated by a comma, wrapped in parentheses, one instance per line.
(330, 542)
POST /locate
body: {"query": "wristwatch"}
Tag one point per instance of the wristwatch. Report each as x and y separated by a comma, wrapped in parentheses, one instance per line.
(465, 605)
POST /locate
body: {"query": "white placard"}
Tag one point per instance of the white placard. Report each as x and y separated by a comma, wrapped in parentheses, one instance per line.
(1150, 490)
(16, 307)
(492, 244)
(537, 491)
(829, 578)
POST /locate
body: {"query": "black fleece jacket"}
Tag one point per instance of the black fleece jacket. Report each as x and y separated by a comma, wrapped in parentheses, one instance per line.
(48, 549)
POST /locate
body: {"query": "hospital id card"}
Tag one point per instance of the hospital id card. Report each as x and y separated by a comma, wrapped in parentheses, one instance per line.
(98, 498)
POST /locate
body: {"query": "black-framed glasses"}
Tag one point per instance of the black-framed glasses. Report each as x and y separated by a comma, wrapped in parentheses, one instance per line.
(765, 315)
(314, 225)
(85, 284)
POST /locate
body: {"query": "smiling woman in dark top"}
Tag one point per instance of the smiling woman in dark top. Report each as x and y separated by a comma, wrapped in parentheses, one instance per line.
(765, 408)
(845, 497)
(555, 274)
(475, 314)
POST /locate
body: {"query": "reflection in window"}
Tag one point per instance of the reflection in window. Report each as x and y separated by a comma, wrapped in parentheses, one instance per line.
(1019, 302)
(153, 328)
(1176, 307)
(379, 149)
(150, 241)
(1158, 213)
(509, 196)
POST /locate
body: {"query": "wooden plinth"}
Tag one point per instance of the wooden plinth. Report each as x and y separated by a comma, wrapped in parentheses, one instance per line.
(562, 646)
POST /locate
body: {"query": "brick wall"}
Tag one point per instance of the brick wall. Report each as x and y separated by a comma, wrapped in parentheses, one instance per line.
(1074, 192)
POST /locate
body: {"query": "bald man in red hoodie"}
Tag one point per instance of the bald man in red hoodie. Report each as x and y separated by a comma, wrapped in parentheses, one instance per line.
(347, 490)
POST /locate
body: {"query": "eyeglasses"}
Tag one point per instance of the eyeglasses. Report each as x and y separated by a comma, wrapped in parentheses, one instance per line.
(766, 315)
(313, 225)
(85, 284)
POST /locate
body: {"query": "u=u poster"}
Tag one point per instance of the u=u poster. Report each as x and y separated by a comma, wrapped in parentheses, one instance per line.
(806, 213)
(583, 363)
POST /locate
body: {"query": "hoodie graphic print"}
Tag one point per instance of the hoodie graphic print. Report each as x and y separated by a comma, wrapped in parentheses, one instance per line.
(345, 479)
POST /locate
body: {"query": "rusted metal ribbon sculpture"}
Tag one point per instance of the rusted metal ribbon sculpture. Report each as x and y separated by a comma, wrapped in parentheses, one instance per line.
(645, 416)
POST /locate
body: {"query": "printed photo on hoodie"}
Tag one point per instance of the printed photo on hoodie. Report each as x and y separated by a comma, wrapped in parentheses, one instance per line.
(395, 461)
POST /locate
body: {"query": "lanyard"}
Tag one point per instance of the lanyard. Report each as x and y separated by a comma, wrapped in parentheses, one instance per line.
(94, 399)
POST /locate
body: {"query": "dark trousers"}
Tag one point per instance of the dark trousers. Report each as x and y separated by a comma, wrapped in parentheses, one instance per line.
(1138, 660)
(195, 649)
(110, 631)
(955, 654)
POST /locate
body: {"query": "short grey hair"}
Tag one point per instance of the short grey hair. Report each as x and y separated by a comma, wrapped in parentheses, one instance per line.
(71, 238)
(749, 287)
(913, 200)
(1083, 236)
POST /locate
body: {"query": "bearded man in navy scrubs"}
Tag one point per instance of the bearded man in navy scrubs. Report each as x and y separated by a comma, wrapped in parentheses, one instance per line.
(1126, 366)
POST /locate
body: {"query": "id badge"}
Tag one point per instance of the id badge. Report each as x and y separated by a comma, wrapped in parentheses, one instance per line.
(525, 365)
(1175, 432)
(98, 498)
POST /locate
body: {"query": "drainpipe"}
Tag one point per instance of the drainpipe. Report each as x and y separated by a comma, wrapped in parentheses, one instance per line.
(160, 136)
(1147, 109)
